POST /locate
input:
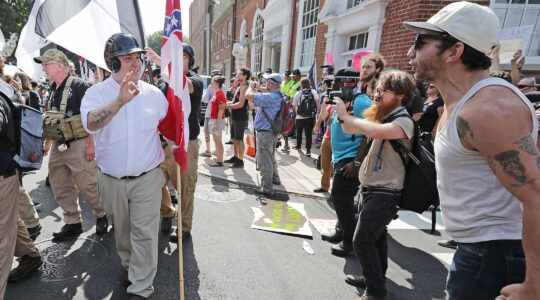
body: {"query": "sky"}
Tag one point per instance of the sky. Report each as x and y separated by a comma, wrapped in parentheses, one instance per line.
(153, 14)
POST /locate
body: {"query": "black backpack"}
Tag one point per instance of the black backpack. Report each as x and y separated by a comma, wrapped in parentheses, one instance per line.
(307, 106)
(420, 187)
(28, 135)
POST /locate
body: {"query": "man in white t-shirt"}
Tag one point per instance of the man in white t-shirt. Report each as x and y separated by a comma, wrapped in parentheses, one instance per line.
(123, 113)
(487, 162)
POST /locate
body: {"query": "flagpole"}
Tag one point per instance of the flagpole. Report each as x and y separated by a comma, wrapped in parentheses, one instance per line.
(179, 234)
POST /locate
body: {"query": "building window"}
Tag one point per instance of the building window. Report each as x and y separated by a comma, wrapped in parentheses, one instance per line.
(309, 32)
(221, 38)
(358, 41)
(354, 3)
(257, 46)
(515, 13)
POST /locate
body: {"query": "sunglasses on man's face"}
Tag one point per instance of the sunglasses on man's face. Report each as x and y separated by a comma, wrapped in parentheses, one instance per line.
(523, 86)
(418, 43)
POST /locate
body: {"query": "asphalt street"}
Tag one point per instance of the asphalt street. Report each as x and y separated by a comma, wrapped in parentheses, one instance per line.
(226, 259)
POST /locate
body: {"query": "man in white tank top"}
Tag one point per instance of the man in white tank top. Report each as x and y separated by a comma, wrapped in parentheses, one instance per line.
(488, 165)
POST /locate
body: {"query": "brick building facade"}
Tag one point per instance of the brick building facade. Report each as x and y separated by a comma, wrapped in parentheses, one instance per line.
(197, 33)
(290, 34)
(396, 39)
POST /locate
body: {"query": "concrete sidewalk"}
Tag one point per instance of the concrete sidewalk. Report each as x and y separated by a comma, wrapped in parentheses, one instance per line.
(297, 172)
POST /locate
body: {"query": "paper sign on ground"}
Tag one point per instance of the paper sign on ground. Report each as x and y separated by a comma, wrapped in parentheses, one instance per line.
(357, 59)
(330, 58)
(323, 226)
(285, 217)
(508, 37)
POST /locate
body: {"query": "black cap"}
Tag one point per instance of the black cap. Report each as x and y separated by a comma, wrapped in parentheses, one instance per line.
(269, 70)
(156, 72)
(348, 72)
(288, 73)
(296, 72)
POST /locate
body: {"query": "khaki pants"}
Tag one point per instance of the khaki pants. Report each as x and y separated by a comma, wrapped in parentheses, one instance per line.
(14, 238)
(27, 211)
(134, 207)
(188, 180)
(69, 171)
(169, 171)
(326, 164)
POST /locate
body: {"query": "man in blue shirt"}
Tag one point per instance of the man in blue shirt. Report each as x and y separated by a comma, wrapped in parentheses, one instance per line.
(268, 105)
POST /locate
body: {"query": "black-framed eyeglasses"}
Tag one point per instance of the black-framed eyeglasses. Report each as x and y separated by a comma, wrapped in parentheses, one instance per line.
(431, 87)
(419, 36)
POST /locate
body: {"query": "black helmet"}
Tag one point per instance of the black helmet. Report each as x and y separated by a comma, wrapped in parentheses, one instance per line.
(191, 54)
(120, 44)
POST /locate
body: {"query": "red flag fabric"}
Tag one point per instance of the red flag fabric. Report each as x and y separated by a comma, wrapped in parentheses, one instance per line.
(175, 125)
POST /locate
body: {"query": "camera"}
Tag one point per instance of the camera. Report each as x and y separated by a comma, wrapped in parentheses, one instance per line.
(346, 94)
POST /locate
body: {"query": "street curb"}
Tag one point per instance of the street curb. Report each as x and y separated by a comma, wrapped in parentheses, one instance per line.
(278, 190)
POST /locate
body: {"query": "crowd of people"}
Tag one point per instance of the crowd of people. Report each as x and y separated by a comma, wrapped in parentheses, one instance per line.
(482, 123)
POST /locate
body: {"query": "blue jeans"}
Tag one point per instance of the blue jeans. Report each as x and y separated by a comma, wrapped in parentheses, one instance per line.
(480, 270)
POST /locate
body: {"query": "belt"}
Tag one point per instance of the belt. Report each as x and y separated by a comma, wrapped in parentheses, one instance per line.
(366, 189)
(9, 174)
(261, 130)
(128, 177)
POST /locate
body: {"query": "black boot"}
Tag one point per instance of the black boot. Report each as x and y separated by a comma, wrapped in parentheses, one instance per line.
(34, 232)
(68, 231)
(334, 236)
(166, 224)
(102, 225)
(26, 266)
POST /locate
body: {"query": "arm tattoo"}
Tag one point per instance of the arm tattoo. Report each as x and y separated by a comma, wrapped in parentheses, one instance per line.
(463, 129)
(527, 144)
(491, 163)
(101, 115)
(511, 164)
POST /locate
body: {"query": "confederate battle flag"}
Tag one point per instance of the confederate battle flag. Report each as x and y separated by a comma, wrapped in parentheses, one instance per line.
(174, 126)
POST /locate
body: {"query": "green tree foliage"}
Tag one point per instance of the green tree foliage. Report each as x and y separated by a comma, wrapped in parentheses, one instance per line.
(154, 41)
(13, 15)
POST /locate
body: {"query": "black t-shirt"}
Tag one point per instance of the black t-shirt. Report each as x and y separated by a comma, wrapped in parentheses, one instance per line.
(7, 137)
(239, 114)
(230, 94)
(32, 99)
(195, 100)
(75, 94)
(430, 116)
(416, 105)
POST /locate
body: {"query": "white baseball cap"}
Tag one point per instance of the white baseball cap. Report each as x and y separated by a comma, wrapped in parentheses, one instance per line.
(473, 24)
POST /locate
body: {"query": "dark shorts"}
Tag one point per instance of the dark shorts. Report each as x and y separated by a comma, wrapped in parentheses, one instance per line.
(238, 128)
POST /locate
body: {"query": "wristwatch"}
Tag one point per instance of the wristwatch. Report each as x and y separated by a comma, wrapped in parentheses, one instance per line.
(357, 163)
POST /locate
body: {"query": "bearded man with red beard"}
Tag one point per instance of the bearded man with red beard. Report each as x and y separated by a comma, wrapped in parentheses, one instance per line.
(382, 174)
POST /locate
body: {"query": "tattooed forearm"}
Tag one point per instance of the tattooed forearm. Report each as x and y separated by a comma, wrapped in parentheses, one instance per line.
(99, 117)
(491, 163)
(511, 164)
(527, 144)
(464, 131)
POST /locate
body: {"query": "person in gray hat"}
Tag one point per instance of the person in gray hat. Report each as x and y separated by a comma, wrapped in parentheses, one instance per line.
(487, 162)
(269, 106)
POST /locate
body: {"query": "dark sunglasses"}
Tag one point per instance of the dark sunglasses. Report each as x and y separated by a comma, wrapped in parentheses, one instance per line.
(417, 40)
(523, 86)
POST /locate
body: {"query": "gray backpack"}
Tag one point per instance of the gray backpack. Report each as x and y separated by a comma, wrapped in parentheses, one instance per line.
(28, 134)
